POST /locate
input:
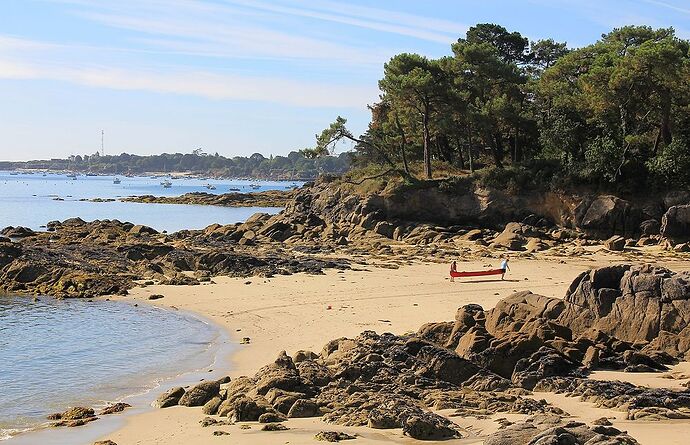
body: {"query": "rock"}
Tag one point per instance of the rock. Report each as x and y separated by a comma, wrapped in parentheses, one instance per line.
(242, 409)
(104, 442)
(200, 394)
(535, 245)
(615, 244)
(591, 359)
(221, 433)
(639, 304)
(384, 228)
(17, 232)
(650, 227)
(333, 436)
(303, 408)
(544, 363)
(520, 433)
(142, 230)
(155, 296)
(114, 408)
(514, 236)
(211, 407)
(301, 356)
(274, 427)
(382, 420)
(281, 374)
(169, 398)
(272, 417)
(682, 248)
(429, 427)
(675, 224)
(606, 215)
(75, 413)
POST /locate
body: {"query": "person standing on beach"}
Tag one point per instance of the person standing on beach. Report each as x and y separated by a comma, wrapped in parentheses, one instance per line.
(504, 266)
(453, 268)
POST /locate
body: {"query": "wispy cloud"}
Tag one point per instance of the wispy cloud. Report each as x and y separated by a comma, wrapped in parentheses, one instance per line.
(670, 6)
(198, 83)
(245, 29)
(434, 30)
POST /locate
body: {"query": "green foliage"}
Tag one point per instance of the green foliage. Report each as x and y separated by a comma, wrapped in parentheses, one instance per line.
(615, 113)
(671, 167)
(603, 158)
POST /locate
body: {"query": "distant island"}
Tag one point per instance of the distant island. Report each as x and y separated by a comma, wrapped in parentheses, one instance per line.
(294, 166)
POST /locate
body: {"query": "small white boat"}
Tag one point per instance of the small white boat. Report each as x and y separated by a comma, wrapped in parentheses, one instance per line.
(117, 181)
(72, 175)
(210, 186)
(166, 184)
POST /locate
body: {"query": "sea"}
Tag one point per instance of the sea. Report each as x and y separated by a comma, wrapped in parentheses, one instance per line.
(55, 354)
(32, 200)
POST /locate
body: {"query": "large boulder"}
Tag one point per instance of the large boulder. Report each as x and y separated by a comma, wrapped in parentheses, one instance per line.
(675, 223)
(429, 426)
(615, 244)
(281, 374)
(635, 304)
(515, 236)
(606, 215)
(200, 394)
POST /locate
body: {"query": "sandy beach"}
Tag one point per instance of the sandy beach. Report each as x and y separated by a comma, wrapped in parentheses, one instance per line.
(303, 312)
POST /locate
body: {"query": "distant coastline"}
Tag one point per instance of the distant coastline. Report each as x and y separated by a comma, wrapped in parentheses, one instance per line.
(293, 167)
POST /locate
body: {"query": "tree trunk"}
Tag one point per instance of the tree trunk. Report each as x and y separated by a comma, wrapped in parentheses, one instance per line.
(403, 144)
(461, 158)
(427, 142)
(443, 146)
(497, 149)
(665, 129)
(469, 149)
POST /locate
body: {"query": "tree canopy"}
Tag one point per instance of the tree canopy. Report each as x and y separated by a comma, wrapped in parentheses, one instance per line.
(613, 113)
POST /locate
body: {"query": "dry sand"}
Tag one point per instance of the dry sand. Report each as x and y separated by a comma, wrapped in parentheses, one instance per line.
(292, 313)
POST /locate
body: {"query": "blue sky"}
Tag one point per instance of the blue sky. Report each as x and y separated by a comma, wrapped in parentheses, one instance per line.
(239, 76)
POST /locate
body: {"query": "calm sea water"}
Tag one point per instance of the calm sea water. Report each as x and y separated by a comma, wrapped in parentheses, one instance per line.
(32, 200)
(55, 354)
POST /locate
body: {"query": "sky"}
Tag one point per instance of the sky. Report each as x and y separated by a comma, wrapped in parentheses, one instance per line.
(240, 76)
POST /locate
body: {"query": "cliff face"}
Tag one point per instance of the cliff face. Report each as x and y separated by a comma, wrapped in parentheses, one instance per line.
(599, 216)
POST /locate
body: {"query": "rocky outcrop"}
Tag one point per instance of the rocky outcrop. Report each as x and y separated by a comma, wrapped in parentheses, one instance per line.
(169, 398)
(639, 402)
(270, 198)
(76, 416)
(80, 259)
(644, 305)
(545, 429)
(675, 224)
(605, 216)
(380, 381)
(618, 317)
(485, 362)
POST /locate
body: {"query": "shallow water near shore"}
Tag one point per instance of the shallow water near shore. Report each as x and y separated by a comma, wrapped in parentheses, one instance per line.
(32, 200)
(56, 354)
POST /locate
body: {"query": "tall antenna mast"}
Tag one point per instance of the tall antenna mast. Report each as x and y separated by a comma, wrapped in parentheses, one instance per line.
(102, 149)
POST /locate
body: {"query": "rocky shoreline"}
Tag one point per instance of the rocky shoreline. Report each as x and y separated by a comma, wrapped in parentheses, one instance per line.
(269, 198)
(483, 363)
(75, 258)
